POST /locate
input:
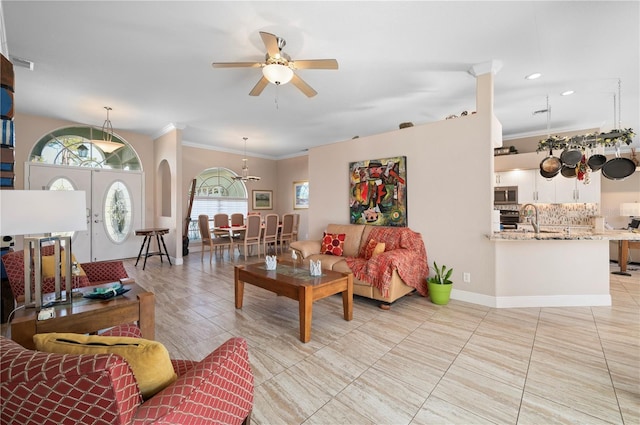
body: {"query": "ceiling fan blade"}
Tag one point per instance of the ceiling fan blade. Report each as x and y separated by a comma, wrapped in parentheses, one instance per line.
(304, 87)
(316, 64)
(257, 89)
(236, 64)
(271, 43)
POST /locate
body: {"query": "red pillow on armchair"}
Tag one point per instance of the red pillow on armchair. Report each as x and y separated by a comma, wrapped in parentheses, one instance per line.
(332, 244)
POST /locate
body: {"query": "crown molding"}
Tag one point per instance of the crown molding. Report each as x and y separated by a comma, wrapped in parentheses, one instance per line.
(167, 128)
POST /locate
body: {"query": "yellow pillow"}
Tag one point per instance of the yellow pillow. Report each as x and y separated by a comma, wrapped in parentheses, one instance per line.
(379, 249)
(49, 265)
(149, 360)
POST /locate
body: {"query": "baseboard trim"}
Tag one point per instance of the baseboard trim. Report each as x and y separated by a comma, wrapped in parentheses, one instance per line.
(532, 301)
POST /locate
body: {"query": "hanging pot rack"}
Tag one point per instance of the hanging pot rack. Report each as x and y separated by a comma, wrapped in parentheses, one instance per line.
(614, 137)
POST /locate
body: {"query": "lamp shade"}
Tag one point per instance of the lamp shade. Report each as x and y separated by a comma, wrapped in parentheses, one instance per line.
(34, 212)
(106, 146)
(630, 209)
(277, 74)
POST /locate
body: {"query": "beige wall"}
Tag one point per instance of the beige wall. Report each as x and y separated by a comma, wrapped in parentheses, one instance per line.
(449, 180)
(168, 163)
(292, 170)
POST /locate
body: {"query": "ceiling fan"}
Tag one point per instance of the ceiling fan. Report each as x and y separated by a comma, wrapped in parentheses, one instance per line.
(278, 67)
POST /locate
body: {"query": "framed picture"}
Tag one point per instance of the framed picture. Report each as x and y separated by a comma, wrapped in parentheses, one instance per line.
(262, 199)
(301, 195)
(378, 192)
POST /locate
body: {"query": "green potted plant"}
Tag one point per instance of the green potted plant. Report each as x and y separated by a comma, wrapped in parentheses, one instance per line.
(440, 285)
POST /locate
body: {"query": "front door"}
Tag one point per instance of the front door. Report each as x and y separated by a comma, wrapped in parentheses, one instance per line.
(114, 207)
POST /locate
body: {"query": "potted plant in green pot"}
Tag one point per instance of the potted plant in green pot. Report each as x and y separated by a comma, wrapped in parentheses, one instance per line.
(440, 285)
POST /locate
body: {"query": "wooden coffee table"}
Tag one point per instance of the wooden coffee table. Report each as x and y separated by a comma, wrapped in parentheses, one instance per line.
(296, 283)
(89, 315)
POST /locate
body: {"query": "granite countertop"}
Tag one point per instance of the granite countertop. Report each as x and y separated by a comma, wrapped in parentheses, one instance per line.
(572, 234)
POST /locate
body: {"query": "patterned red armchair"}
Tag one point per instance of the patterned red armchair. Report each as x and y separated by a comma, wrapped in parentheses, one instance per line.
(96, 273)
(44, 388)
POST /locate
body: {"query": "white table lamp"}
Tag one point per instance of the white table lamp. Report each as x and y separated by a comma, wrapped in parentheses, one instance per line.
(38, 212)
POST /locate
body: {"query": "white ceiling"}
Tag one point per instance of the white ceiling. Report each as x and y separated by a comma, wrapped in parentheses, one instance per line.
(399, 61)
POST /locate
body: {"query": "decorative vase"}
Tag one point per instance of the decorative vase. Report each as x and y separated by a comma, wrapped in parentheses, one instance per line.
(315, 268)
(271, 262)
(439, 294)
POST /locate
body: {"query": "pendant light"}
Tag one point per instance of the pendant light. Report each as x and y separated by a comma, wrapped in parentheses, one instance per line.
(107, 144)
(245, 176)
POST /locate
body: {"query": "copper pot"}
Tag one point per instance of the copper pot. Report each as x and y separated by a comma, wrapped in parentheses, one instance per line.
(550, 166)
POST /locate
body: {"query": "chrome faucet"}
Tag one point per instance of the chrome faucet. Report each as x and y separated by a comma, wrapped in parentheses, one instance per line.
(536, 223)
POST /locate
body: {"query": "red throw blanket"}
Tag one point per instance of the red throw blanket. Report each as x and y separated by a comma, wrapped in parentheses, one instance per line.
(404, 252)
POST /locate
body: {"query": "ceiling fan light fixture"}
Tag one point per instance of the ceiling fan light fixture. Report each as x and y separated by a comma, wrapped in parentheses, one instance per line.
(277, 74)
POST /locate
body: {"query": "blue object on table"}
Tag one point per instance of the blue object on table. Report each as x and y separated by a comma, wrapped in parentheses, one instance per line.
(106, 293)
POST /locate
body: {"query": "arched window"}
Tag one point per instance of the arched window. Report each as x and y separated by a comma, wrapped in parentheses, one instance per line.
(217, 191)
(84, 146)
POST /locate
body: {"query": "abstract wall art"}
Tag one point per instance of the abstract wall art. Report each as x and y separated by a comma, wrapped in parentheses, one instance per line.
(378, 192)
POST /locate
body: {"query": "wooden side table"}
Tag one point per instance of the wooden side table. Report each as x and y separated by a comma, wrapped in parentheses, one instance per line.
(148, 234)
(89, 315)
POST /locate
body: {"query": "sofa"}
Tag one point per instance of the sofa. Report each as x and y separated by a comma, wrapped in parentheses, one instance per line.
(99, 389)
(399, 269)
(90, 273)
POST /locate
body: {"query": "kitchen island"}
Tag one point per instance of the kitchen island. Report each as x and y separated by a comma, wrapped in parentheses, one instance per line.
(554, 268)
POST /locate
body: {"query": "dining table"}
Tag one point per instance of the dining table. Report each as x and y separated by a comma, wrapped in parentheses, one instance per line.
(229, 229)
(232, 230)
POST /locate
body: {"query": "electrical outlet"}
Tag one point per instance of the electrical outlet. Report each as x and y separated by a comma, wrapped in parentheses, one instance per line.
(466, 277)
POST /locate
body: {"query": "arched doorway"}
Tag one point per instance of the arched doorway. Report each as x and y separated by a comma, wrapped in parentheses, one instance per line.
(110, 173)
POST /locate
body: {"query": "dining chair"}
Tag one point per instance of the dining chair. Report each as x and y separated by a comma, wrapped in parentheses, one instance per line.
(286, 234)
(296, 223)
(221, 220)
(237, 219)
(252, 234)
(212, 243)
(270, 236)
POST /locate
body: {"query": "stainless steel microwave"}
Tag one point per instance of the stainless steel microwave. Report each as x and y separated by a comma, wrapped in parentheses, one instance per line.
(505, 195)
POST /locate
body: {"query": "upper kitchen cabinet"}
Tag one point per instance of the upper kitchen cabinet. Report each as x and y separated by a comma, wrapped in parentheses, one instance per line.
(523, 179)
(572, 190)
(533, 188)
(545, 191)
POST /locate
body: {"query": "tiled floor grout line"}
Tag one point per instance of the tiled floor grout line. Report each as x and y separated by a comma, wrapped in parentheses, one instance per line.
(526, 375)
(606, 361)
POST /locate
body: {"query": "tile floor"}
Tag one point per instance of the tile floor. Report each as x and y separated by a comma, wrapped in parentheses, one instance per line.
(417, 363)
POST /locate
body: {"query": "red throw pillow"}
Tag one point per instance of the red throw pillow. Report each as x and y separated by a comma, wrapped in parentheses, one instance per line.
(332, 244)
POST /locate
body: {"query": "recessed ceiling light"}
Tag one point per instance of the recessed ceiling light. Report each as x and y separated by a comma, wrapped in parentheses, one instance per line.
(567, 93)
(533, 76)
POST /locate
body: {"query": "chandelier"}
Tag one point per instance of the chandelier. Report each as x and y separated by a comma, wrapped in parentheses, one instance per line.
(244, 175)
